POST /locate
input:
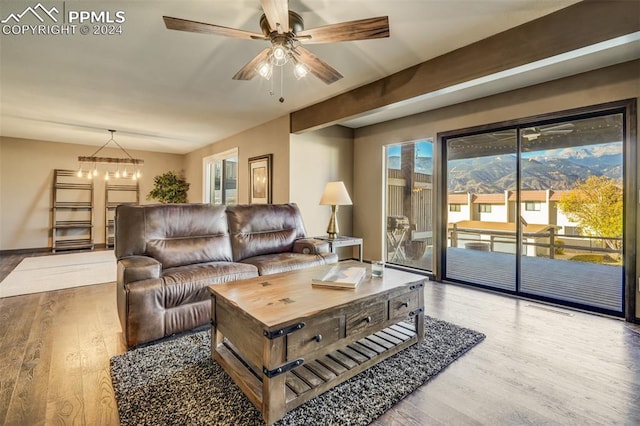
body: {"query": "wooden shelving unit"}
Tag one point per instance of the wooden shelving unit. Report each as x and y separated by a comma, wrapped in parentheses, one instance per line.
(115, 195)
(72, 212)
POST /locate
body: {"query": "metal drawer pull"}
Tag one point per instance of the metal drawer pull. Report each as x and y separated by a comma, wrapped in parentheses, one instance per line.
(404, 305)
(318, 338)
(368, 319)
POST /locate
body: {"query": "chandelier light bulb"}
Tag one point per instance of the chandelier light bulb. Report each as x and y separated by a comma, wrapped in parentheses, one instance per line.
(95, 170)
(89, 175)
(106, 175)
(138, 174)
(79, 174)
(124, 173)
(117, 173)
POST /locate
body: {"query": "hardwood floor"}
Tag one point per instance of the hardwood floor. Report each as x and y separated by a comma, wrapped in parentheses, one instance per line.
(538, 365)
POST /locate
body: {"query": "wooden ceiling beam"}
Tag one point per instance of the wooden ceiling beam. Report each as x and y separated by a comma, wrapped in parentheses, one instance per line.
(580, 25)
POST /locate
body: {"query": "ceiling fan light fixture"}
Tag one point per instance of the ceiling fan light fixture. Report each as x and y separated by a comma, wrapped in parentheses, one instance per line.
(279, 55)
(300, 70)
(265, 70)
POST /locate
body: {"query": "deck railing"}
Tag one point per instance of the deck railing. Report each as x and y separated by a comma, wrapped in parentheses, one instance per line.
(488, 239)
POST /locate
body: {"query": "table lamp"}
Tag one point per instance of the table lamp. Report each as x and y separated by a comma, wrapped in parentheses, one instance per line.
(335, 194)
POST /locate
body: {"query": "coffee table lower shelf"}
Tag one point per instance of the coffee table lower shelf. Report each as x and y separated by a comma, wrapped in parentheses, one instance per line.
(315, 377)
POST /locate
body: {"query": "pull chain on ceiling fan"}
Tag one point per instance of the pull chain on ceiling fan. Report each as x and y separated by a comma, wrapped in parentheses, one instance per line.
(285, 30)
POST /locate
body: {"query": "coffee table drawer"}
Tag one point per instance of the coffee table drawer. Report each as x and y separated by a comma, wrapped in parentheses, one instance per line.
(314, 336)
(366, 319)
(400, 306)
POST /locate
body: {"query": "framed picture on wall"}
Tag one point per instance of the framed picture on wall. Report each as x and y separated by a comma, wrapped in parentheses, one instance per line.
(260, 179)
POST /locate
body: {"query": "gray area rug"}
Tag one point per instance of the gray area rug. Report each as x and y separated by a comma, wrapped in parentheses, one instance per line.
(176, 383)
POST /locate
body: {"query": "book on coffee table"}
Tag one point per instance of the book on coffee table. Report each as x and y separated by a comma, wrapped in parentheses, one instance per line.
(340, 277)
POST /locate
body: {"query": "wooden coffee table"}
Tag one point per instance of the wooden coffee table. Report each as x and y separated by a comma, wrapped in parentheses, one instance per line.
(284, 342)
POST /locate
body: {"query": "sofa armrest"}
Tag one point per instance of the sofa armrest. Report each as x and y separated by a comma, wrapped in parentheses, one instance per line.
(138, 268)
(310, 246)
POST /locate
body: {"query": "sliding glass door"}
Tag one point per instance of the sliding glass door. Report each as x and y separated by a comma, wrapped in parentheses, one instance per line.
(571, 200)
(537, 209)
(408, 219)
(481, 230)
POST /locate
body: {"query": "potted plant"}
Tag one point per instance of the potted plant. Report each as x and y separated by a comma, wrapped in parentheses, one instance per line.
(169, 188)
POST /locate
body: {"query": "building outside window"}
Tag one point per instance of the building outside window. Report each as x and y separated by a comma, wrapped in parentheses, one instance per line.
(532, 206)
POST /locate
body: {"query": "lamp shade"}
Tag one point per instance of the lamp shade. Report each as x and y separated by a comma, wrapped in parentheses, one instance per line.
(335, 194)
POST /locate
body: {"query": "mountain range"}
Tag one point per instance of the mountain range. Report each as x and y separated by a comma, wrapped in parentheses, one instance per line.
(559, 171)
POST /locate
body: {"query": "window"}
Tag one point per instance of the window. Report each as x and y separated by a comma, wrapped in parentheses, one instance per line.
(574, 231)
(455, 207)
(408, 199)
(485, 208)
(221, 178)
(532, 206)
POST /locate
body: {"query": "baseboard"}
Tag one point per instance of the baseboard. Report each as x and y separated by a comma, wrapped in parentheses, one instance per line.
(38, 250)
(26, 251)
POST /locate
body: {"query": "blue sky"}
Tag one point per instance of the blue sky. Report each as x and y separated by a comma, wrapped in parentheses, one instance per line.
(425, 149)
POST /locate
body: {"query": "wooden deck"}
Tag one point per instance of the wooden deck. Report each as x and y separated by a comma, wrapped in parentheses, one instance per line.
(584, 283)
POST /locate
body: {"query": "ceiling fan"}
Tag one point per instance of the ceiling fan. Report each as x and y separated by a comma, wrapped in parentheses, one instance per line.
(533, 133)
(285, 30)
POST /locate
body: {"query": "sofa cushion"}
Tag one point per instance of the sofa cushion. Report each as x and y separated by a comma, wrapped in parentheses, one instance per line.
(188, 284)
(174, 234)
(263, 229)
(268, 264)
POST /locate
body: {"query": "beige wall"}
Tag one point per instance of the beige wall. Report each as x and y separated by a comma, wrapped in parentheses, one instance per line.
(26, 178)
(317, 158)
(268, 138)
(595, 87)
(302, 165)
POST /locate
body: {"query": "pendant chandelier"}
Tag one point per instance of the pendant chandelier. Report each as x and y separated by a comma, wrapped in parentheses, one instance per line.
(119, 168)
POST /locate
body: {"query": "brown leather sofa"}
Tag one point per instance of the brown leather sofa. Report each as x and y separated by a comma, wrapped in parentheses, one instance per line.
(169, 254)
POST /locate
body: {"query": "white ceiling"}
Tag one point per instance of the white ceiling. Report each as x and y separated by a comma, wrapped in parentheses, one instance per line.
(171, 91)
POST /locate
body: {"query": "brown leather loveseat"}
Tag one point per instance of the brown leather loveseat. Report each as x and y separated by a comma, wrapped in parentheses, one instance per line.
(169, 254)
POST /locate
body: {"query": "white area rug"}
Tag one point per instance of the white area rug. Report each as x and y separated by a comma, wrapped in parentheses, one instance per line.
(56, 272)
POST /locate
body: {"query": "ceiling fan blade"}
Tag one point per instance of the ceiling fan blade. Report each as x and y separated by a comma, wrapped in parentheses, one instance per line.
(557, 132)
(559, 126)
(317, 66)
(556, 126)
(201, 27)
(250, 70)
(362, 29)
(277, 13)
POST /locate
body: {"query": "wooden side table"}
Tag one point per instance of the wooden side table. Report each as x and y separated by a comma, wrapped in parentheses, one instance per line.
(343, 241)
